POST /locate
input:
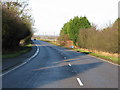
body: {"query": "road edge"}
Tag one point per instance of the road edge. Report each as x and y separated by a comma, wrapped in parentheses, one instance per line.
(23, 63)
(89, 55)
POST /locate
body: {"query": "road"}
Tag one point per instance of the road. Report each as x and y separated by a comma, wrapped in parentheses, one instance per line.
(56, 67)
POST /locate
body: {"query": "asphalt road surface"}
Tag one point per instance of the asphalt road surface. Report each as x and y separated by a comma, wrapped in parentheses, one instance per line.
(56, 67)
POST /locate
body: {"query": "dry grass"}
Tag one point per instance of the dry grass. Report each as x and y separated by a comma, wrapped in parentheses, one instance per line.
(112, 57)
(95, 51)
(101, 52)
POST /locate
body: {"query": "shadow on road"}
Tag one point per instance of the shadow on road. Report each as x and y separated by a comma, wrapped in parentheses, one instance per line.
(59, 70)
(50, 67)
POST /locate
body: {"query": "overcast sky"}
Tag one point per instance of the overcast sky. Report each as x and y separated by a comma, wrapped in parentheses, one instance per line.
(50, 15)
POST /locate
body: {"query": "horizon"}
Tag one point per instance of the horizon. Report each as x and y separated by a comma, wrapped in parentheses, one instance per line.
(50, 16)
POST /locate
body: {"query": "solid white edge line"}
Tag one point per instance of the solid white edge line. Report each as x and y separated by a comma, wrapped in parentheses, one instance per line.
(69, 64)
(80, 82)
(105, 60)
(22, 63)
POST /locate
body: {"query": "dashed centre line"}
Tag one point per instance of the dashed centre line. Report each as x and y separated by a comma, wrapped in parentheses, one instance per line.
(65, 58)
(80, 82)
(69, 64)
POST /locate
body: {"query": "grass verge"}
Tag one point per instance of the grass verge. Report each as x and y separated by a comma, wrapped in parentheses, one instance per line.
(113, 59)
(108, 58)
(19, 51)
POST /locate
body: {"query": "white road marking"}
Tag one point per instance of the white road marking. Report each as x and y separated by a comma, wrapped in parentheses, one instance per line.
(69, 64)
(105, 60)
(80, 82)
(65, 58)
(22, 63)
(73, 71)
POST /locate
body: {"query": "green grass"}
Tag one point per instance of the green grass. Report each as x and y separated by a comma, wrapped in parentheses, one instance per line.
(51, 42)
(29, 45)
(17, 52)
(109, 58)
(46, 40)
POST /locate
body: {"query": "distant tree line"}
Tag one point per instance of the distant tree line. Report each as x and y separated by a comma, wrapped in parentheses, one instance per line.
(71, 29)
(16, 24)
(84, 35)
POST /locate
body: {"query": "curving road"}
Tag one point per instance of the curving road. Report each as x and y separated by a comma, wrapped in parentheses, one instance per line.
(56, 67)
